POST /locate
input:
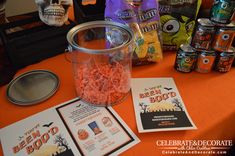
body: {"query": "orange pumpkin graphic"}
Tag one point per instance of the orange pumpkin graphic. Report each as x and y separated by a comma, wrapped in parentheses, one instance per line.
(82, 134)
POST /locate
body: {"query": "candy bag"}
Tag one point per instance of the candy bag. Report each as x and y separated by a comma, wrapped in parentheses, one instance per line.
(143, 18)
(177, 21)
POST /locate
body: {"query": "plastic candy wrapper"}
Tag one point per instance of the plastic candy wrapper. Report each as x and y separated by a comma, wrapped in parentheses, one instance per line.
(143, 18)
(177, 22)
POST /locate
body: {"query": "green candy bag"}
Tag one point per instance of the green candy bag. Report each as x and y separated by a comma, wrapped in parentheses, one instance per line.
(177, 19)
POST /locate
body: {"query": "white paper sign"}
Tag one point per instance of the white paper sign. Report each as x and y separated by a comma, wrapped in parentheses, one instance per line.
(159, 106)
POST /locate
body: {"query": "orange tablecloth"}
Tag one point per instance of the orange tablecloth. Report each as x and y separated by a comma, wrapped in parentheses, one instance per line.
(209, 99)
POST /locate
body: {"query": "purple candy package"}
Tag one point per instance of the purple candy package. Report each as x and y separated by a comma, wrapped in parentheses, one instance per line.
(143, 18)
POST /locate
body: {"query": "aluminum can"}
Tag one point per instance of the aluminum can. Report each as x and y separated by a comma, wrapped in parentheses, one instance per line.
(222, 11)
(224, 61)
(185, 58)
(203, 34)
(205, 61)
(224, 38)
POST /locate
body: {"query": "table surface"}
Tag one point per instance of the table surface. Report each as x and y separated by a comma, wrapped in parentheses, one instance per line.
(209, 99)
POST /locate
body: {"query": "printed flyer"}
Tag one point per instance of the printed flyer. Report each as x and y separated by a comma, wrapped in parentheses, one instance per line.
(159, 106)
(70, 129)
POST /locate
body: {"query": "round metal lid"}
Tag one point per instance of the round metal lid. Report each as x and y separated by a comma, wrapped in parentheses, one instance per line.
(187, 48)
(230, 26)
(32, 87)
(205, 22)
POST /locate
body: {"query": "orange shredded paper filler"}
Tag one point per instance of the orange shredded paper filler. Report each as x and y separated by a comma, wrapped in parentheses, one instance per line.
(102, 84)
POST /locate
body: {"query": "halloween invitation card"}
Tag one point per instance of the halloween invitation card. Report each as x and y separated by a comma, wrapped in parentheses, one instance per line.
(159, 106)
(40, 134)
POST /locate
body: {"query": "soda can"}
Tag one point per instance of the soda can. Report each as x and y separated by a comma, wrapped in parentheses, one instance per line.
(185, 58)
(222, 11)
(205, 61)
(203, 34)
(224, 38)
(224, 61)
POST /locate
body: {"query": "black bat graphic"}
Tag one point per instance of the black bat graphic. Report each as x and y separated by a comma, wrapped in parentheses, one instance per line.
(78, 105)
(48, 125)
(167, 88)
(20, 138)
